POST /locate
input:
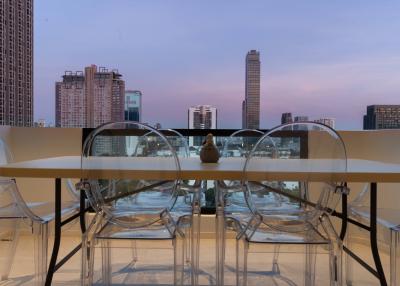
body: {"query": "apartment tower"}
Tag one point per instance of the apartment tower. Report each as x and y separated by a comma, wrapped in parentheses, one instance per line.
(16, 62)
(201, 117)
(90, 99)
(382, 117)
(133, 105)
(251, 104)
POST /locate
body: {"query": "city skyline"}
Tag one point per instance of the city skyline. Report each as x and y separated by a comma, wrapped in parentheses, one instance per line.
(332, 64)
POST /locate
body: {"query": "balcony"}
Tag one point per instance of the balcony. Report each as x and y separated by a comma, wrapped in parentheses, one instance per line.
(36, 143)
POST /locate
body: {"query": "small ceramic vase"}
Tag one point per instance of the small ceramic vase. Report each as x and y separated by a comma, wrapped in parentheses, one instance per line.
(209, 152)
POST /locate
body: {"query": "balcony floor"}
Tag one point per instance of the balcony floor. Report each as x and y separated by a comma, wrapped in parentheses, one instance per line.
(155, 266)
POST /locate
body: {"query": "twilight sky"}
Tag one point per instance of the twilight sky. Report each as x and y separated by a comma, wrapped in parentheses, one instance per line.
(318, 58)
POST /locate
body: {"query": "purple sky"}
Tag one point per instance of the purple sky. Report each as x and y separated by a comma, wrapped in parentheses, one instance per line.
(318, 58)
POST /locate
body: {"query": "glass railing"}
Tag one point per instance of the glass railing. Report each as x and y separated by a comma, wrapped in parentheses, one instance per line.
(295, 145)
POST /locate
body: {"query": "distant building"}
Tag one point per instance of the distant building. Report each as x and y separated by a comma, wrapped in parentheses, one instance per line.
(251, 104)
(40, 123)
(16, 63)
(286, 118)
(327, 121)
(300, 118)
(90, 99)
(201, 117)
(133, 105)
(157, 125)
(382, 117)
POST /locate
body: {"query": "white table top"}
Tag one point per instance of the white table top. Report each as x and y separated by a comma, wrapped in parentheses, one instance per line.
(192, 168)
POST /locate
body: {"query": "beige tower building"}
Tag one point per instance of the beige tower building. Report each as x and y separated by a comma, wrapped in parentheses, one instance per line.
(90, 99)
(251, 104)
(16, 63)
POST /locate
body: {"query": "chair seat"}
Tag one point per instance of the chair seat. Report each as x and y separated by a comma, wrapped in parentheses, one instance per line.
(43, 210)
(155, 231)
(266, 235)
(389, 218)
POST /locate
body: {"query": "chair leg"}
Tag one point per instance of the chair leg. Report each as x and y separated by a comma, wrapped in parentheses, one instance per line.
(179, 258)
(9, 253)
(92, 244)
(275, 265)
(187, 244)
(195, 248)
(336, 251)
(349, 264)
(41, 234)
(84, 260)
(106, 261)
(134, 251)
(220, 247)
(394, 256)
(242, 249)
(310, 259)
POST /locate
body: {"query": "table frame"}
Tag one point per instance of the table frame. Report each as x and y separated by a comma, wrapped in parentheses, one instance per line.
(390, 173)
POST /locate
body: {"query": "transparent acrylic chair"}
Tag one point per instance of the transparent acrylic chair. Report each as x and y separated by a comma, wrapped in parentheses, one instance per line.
(16, 213)
(388, 221)
(188, 200)
(229, 195)
(275, 218)
(133, 208)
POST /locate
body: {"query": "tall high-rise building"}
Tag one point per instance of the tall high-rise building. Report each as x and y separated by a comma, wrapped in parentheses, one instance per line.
(327, 121)
(133, 105)
(251, 104)
(382, 117)
(286, 118)
(16, 63)
(201, 117)
(90, 99)
(71, 100)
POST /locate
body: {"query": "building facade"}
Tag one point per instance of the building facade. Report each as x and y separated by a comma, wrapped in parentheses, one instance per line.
(251, 104)
(16, 63)
(300, 118)
(201, 117)
(382, 117)
(133, 105)
(286, 118)
(90, 99)
(327, 121)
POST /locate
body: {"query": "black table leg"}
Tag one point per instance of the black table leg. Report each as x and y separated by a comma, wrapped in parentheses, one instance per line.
(82, 211)
(57, 232)
(344, 216)
(373, 234)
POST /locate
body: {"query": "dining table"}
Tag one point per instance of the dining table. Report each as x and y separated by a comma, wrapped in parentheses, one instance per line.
(316, 170)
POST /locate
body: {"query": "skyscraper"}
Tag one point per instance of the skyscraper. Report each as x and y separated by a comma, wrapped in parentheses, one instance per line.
(251, 104)
(286, 118)
(90, 99)
(382, 117)
(71, 100)
(16, 63)
(133, 105)
(201, 117)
